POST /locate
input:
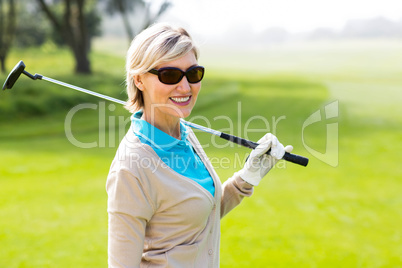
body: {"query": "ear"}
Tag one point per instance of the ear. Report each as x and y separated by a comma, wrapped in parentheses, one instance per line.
(138, 82)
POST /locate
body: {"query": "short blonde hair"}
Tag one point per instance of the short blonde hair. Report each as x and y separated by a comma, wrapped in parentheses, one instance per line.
(157, 44)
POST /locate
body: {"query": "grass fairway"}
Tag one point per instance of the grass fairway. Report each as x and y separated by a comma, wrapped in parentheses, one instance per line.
(52, 193)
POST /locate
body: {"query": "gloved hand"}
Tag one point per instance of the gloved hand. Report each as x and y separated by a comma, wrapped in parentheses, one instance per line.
(259, 163)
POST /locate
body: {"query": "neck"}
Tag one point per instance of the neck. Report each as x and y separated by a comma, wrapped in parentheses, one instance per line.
(168, 124)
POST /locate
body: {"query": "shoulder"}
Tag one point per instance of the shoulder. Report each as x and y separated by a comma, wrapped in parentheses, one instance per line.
(127, 173)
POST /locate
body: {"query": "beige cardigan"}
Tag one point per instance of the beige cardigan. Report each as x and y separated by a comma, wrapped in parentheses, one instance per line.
(159, 218)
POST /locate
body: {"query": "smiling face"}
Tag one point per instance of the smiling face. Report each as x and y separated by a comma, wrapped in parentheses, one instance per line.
(168, 103)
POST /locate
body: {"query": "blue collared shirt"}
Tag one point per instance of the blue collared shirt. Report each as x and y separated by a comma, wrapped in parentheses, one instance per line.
(179, 155)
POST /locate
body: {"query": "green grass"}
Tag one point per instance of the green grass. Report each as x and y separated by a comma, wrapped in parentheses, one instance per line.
(52, 193)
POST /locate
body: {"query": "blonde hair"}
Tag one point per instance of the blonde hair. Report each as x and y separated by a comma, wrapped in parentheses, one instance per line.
(157, 44)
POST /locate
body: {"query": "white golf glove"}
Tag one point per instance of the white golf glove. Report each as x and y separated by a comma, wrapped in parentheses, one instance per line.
(259, 163)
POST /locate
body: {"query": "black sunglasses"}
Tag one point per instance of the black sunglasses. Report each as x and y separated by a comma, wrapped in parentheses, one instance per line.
(172, 75)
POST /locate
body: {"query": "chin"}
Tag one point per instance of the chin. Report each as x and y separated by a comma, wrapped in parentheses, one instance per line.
(184, 113)
(177, 112)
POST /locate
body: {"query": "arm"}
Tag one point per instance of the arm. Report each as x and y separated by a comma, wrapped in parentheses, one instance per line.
(233, 192)
(255, 168)
(129, 209)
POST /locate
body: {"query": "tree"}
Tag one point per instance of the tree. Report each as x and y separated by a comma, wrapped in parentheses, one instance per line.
(151, 18)
(124, 7)
(72, 25)
(33, 29)
(7, 29)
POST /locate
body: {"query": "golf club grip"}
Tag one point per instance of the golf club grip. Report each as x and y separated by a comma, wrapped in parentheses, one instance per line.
(294, 158)
(297, 159)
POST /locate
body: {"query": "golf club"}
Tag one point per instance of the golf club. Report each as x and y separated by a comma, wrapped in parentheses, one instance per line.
(20, 69)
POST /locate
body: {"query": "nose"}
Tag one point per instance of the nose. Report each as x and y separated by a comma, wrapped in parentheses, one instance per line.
(184, 86)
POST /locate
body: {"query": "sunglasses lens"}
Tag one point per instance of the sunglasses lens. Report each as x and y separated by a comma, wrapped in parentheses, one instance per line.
(195, 75)
(170, 76)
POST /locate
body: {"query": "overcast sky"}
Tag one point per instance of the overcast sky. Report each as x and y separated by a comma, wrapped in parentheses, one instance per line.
(217, 16)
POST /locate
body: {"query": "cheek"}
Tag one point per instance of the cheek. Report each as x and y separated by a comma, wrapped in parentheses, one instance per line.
(196, 90)
(158, 93)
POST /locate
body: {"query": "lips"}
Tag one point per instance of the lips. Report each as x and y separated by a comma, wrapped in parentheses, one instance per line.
(182, 101)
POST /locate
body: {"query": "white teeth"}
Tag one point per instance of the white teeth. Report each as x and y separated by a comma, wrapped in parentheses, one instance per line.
(180, 99)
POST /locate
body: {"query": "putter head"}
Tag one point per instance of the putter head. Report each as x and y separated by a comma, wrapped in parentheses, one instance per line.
(14, 75)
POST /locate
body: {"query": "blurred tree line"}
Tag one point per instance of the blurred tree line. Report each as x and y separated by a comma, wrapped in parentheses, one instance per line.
(68, 23)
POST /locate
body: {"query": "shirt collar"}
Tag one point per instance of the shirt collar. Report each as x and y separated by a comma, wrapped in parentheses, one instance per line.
(155, 136)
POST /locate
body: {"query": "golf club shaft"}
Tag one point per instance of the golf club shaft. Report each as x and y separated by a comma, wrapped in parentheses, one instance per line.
(20, 68)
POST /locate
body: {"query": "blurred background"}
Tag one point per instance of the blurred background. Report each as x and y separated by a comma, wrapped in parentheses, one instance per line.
(274, 59)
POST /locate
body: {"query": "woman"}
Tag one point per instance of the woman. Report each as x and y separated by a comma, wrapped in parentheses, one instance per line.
(165, 200)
